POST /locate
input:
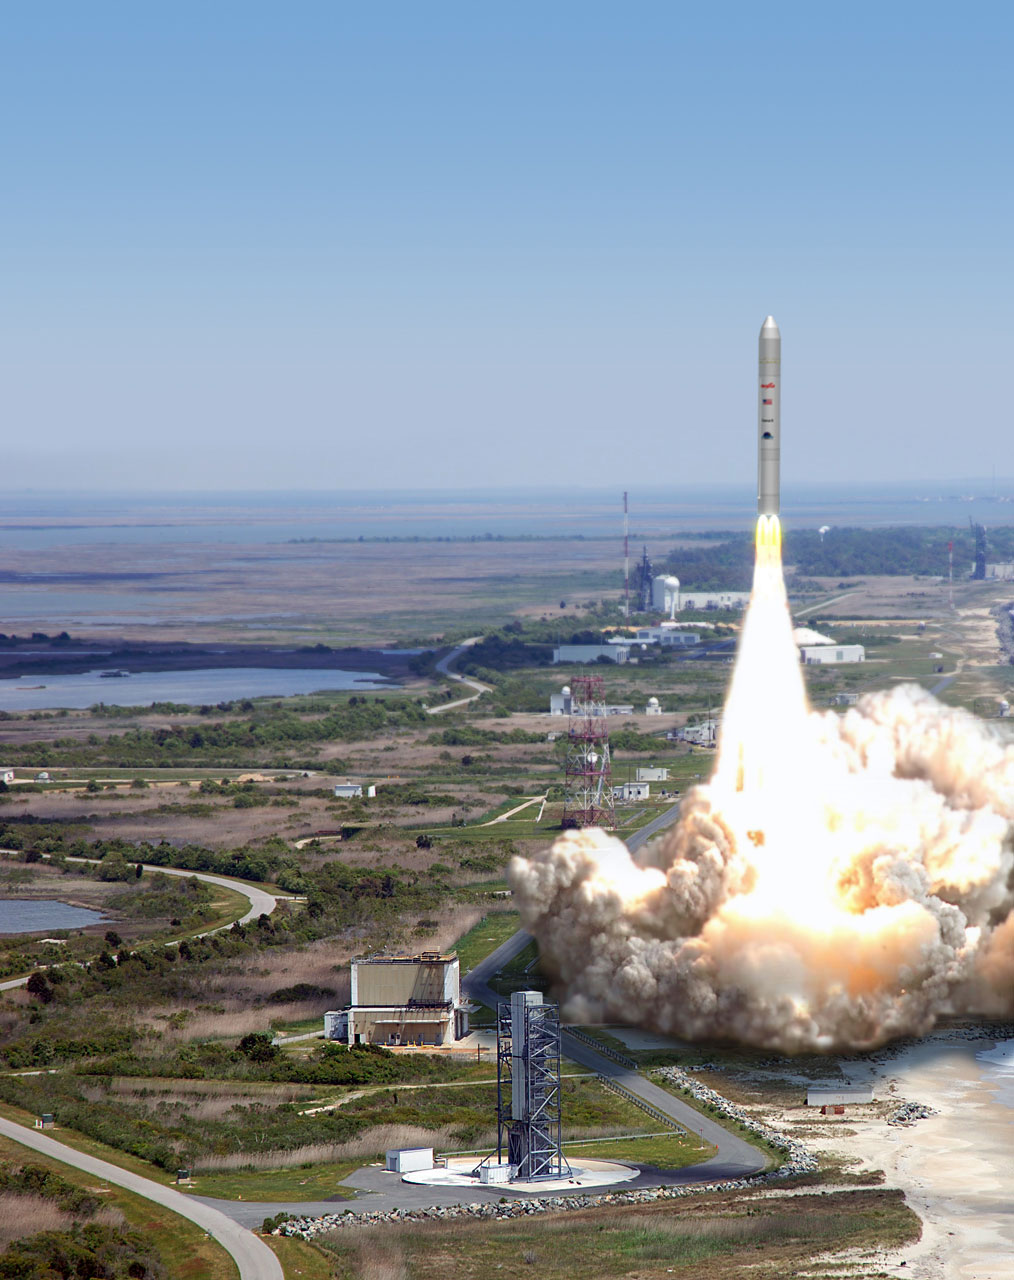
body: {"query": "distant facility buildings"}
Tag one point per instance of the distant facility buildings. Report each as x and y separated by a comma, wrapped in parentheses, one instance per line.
(668, 597)
(813, 654)
(668, 635)
(562, 704)
(703, 734)
(400, 1000)
(591, 652)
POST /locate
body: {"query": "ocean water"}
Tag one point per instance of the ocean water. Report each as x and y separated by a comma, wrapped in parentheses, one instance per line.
(34, 521)
(997, 1066)
(43, 914)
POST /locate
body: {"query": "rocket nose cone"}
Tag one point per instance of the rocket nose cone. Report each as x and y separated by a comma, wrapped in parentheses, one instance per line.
(769, 329)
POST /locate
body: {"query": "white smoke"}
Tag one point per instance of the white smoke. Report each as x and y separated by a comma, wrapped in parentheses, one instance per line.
(838, 882)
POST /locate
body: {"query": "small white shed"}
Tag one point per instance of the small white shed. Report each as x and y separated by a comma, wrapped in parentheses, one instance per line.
(838, 1096)
(409, 1159)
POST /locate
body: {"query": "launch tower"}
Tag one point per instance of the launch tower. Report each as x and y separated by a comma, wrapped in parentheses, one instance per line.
(529, 1122)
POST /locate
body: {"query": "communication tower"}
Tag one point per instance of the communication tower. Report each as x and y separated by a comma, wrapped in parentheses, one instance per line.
(588, 789)
(529, 1121)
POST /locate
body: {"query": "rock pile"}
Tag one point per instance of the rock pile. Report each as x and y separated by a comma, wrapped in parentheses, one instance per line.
(798, 1158)
(910, 1112)
(307, 1228)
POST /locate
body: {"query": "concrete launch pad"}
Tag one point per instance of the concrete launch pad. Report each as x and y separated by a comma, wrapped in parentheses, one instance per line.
(590, 1173)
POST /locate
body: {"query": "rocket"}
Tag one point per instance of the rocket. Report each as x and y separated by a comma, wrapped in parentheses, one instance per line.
(769, 418)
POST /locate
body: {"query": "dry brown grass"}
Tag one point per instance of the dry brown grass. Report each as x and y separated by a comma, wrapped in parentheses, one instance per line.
(377, 1259)
(22, 1216)
(369, 1145)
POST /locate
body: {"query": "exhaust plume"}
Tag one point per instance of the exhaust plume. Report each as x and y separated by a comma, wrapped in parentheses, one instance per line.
(839, 881)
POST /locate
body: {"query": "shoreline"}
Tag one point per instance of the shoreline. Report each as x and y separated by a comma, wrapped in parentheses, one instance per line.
(955, 1168)
(78, 657)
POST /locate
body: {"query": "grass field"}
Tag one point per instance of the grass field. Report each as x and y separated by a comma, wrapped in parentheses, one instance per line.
(664, 1151)
(715, 1237)
(187, 1251)
(491, 932)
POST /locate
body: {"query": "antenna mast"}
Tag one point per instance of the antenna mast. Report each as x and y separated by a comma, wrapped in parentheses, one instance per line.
(626, 558)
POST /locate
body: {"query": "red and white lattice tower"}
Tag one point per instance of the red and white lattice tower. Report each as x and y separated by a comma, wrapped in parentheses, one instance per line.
(588, 788)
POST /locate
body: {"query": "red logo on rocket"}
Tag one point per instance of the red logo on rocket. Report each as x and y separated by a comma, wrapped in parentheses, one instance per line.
(766, 386)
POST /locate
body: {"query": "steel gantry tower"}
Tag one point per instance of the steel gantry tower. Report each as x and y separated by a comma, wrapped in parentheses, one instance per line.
(588, 785)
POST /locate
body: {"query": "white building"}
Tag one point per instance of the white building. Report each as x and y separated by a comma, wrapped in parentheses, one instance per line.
(561, 703)
(591, 652)
(632, 791)
(401, 1000)
(815, 654)
(1000, 572)
(353, 791)
(714, 599)
(652, 773)
(665, 594)
(838, 1096)
(6, 775)
(653, 708)
(704, 734)
(668, 635)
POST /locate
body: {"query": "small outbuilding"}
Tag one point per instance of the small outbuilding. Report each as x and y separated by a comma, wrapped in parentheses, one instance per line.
(839, 1095)
(409, 1159)
(632, 791)
(354, 791)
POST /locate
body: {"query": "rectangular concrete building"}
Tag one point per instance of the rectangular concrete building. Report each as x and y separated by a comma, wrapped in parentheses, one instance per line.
(399, 1000)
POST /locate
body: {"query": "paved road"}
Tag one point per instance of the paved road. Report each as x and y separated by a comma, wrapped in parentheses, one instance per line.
(381, 1191)
(735, 1158)
(261, 902)
(444, 665)
(253, 1257)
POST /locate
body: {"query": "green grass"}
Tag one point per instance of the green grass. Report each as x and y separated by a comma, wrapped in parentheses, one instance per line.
(78, 1142)
(519, 965)
(718, 1237)
(675, 1152)
(303, 1182)
(491, 932)
(298, 1258)
(189, 1254)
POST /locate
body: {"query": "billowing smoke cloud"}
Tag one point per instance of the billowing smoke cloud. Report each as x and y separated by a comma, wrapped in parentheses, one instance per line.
(838, 882)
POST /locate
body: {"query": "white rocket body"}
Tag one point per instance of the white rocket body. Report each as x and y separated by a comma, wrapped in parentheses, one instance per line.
(769, 419)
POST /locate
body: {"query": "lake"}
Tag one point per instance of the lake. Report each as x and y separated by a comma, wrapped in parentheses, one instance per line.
(205, 686)
(18, 915)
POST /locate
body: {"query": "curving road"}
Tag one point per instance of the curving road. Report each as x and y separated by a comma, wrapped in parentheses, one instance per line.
(252, 1256)
(261, 902)
(734, 1158)
(444, 665)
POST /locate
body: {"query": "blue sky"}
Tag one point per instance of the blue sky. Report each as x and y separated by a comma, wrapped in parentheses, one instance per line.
(450, 244)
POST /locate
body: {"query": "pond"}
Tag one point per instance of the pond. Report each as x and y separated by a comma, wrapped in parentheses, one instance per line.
(37, 915)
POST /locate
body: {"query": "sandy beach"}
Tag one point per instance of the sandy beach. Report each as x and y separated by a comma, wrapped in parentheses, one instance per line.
(956, 1167)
